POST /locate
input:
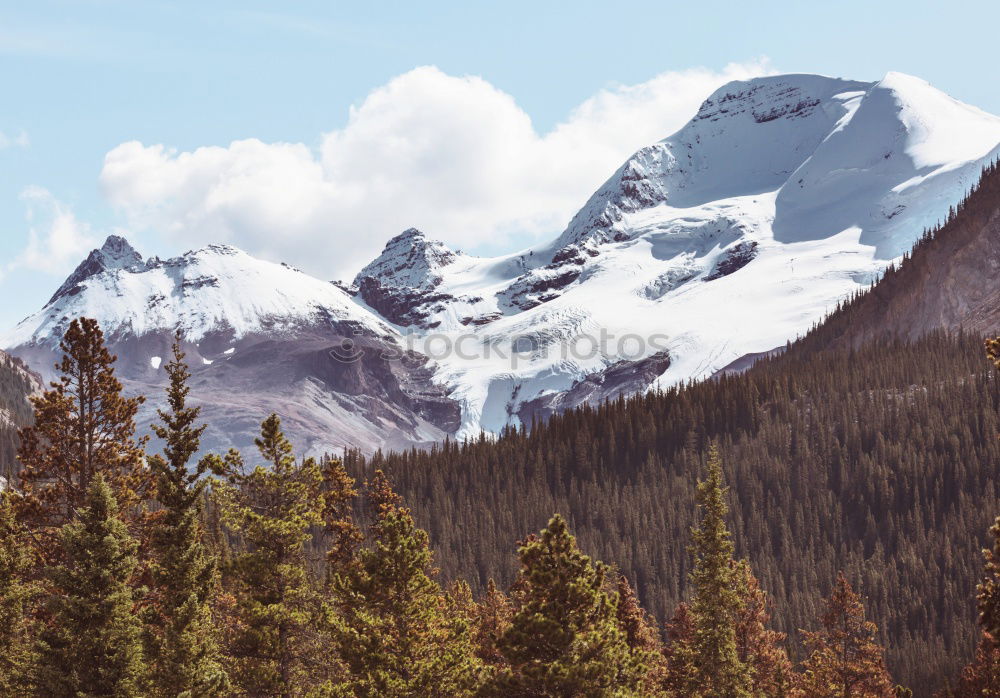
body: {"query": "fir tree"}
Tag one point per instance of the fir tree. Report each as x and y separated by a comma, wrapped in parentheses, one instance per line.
(982, 676)
(185, 651)
(344, 534)
(83, 426)
(758, 647)
(640, 635)
(988, 591)
(93, 646)
(17, 595)
(389, 622)
(273, 648)
(564, 638)
(716, 602)
(845, 659)
(492, 617)
(679, 652)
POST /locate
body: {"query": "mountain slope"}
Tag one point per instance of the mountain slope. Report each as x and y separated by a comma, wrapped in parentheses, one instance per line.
(950, 281)
(17, 382)
(260, 337)
(781, 197)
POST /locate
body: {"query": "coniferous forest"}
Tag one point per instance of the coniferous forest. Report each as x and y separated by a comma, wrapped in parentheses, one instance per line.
(809, 528)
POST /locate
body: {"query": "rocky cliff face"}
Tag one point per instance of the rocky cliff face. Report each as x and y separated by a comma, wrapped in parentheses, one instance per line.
(17, 382)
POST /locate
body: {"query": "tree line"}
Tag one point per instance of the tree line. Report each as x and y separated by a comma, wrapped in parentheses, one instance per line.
(127, 572)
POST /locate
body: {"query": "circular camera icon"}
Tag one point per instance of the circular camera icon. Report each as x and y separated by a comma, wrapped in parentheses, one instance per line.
(347, 352)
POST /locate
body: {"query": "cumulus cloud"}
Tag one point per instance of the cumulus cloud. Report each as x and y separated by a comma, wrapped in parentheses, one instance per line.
(57, 240)
(453, 156)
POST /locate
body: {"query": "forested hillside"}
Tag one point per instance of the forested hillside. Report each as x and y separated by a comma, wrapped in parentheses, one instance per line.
(882, 462)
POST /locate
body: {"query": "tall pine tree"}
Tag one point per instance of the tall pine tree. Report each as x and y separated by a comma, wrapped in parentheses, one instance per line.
(93, 646)
(758, 647)
(17, 596)
(273, 648)
(184, 648)
(564, 638)
(716, 603)
(641, 636)
(845, 658)
(83, 426)
(390, 624)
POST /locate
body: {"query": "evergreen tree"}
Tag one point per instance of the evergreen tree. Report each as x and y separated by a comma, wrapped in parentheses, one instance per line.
(344, 534)
(716, 602)
(641, 636)
(492, 617)
(564, 638)
(845, 659)
(273, 643)
(93, 646)
(17, 594)
(758, 647)
(185, 651)
(988, 591)
(83, 426)
(679, 652)
(389, 622)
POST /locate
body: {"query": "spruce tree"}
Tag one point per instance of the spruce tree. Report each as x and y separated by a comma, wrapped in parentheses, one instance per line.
(492, 617)
(273, 643)
(93, 646)
(716, 602)
(83, 426)
(982, 676)
(17, 596)
(564, 638)
(845, 658)
(759, 648)
(389, 623)
(679, 652)
(184, 648)
(640, 635)
(338, 516)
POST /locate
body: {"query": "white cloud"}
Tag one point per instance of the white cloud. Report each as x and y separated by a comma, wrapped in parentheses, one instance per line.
(57, 241)
(453, 156)
(20, 140)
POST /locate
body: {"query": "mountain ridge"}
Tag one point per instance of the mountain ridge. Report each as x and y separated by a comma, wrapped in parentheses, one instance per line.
(781, 197)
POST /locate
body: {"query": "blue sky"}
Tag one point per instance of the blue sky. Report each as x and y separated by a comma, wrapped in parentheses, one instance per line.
(464, 148)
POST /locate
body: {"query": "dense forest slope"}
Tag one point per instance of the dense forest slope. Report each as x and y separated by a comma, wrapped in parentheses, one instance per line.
(879, 457)
(16, 383)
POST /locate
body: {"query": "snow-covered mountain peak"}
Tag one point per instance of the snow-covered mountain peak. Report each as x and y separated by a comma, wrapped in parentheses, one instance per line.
(115, 253)
(409, 260)
(119, 253)
(747, 138)
(781, 196)
(215, 290)
(400, 283)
